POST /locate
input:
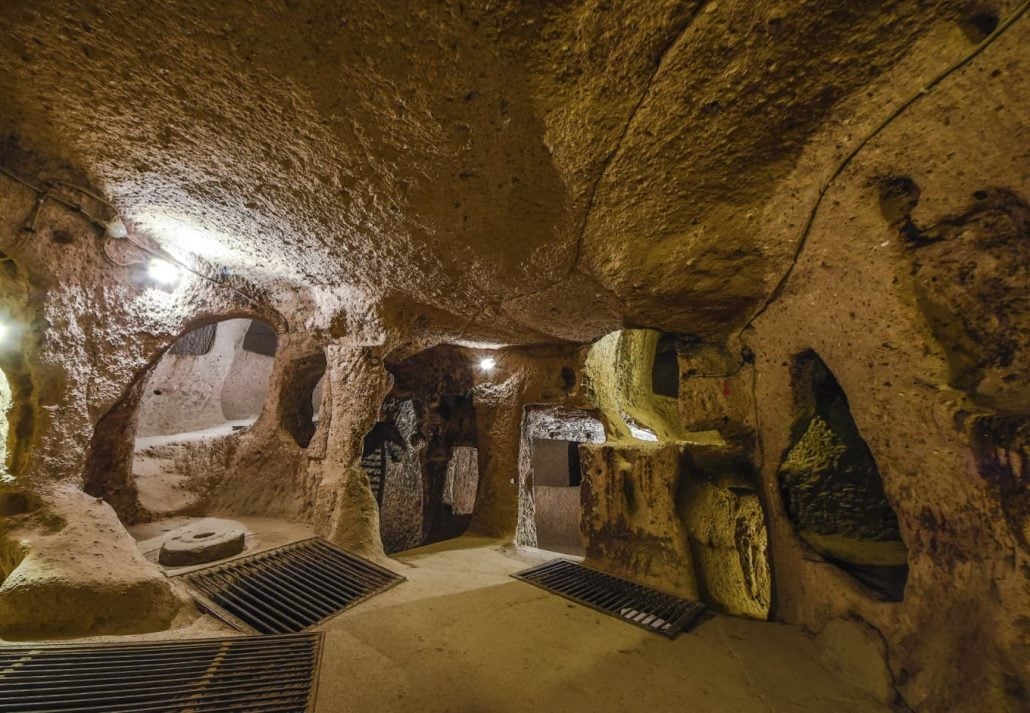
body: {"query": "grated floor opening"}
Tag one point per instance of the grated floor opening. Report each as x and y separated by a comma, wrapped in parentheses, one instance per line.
(250, 673)
(647, 608)
(289, 588)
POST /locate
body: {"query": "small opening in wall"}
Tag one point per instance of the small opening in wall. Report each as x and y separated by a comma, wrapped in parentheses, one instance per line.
(832, 486)
(665, 373)
(978, 26)
(261, 339)
(297, 403)
(550, 475)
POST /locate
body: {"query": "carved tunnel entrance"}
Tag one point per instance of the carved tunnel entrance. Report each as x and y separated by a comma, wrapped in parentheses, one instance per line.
(832, 487)
(550, 476)
(421, 457)
(170, 438)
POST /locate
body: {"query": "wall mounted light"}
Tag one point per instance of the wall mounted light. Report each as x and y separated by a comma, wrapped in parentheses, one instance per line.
(487, 363)
(163, 273)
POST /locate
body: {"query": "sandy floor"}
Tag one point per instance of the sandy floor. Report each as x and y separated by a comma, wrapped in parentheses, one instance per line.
(462, 636)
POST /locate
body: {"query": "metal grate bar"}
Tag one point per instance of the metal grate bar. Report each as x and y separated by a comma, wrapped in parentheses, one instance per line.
(290, 588)
(645, 607)
(261, 674)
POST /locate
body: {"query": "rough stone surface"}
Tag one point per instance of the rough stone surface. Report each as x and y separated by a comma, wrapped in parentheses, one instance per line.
(856, 652)
(729, 543)
(854, 300)
(462, 480)
(557, 518)
(60, 588)
(631, 521)
(970, 270)
(193, 392)
(380, 179)
(540, 156)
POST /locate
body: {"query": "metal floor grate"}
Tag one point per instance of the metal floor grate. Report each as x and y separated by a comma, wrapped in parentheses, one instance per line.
(249, 673)
(648, 608)
(289, 588)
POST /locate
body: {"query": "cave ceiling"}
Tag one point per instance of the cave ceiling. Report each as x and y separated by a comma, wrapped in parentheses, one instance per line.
(501, 171)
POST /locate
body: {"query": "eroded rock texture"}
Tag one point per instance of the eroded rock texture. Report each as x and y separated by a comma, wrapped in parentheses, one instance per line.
(400, 190)
(970, 271)
(728, 539)
(630, 517)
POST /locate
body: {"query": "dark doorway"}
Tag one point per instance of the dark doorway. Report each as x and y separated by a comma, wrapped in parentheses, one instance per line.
(832, 487)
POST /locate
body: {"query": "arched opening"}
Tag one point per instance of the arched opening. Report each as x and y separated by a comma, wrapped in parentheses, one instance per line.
(301, 402)
(832, 488)
(421, 457)
(550, 475)
(209, 385)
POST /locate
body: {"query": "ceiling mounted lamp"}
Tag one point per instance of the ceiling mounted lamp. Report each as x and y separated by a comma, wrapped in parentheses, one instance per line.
(487, 364)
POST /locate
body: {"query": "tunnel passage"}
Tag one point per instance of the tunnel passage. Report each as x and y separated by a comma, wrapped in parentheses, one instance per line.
(421, 457)
(211, 384)
(550, 475)
(401, 465)
(171, 437)
(832, 488)
(211, 377)
(665, 373)
(392, 458)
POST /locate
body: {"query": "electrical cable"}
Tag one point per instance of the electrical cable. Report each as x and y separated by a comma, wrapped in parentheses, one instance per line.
(806, 230)
(45, 194)
(107, 254)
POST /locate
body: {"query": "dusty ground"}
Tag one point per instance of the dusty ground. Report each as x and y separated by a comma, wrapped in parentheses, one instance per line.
(461, 635)
(377, 181)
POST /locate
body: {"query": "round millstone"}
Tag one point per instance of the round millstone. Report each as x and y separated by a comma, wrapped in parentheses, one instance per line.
(200, 546)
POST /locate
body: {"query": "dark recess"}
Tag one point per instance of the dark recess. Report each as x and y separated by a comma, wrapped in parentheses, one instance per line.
(665, 374)
(295, 409)
(979, 25)
(196, 342)
(260, 339)
(575, 469)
